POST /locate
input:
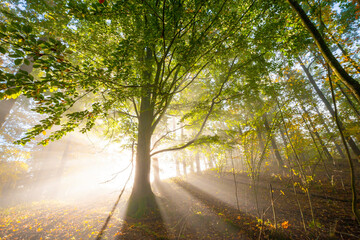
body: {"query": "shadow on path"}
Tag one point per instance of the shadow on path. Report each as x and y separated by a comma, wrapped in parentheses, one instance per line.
(189, 216)
(239, 220)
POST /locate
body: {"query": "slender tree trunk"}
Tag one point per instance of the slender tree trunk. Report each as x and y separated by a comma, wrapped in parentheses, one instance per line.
(315, 132)
(197, 162)
(351, 142)
(337, 146)
(279, 159)
(211, 161)
(175, 155)
(177, 164)
(184, 167)
(343, 50)
(351, 164)
(5, 108)
(312, 132)
(192, 170)
(260, 138)
(156, 169)
(350, 82)
(6, 105)
(349, 100)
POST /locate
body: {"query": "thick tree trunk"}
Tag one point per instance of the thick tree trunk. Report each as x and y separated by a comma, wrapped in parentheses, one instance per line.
(350, 82)
(351, 142)
(142, 197)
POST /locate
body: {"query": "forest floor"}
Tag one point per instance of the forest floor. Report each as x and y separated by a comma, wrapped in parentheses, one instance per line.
(200, 206)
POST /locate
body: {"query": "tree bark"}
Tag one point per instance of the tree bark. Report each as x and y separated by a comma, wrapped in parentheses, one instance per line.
(142, 197)
(350, 82)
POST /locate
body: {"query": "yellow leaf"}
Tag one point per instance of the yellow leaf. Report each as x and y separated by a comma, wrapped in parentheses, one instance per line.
(44, 132)
(285, 224)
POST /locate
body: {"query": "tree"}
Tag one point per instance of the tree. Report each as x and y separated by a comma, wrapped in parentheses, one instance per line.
(132, 59)
(351, 142)
(349, 81)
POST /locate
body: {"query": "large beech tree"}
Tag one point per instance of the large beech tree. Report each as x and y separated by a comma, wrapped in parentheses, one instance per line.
(130, 58)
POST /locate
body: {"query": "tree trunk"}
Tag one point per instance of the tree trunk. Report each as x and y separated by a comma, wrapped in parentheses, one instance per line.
(211, 161)
(156, 169)
(142, 198)
(337, 146)
(315, 132)
(177, 164)
(197, 162)
(351, 142)
(279, 160)
(6, 105)
(349, 100)
(184, 167)
(260, 139)
(192, 170)
(350, 82)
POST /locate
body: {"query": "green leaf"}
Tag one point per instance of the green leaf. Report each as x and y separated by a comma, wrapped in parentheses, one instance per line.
(27, 62)
(18, 62)
(2, 50)
(27, 29)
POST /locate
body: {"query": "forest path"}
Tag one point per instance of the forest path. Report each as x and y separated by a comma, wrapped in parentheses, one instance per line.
(199, 206)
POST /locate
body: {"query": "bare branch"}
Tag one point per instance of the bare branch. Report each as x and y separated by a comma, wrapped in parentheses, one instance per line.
(213, 102)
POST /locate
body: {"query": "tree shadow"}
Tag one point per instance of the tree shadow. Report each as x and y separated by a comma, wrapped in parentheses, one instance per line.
(189, 217)
(239, 220)
(150, 226)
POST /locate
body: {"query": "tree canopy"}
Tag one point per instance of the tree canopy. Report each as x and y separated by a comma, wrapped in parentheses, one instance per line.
(125, 66)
